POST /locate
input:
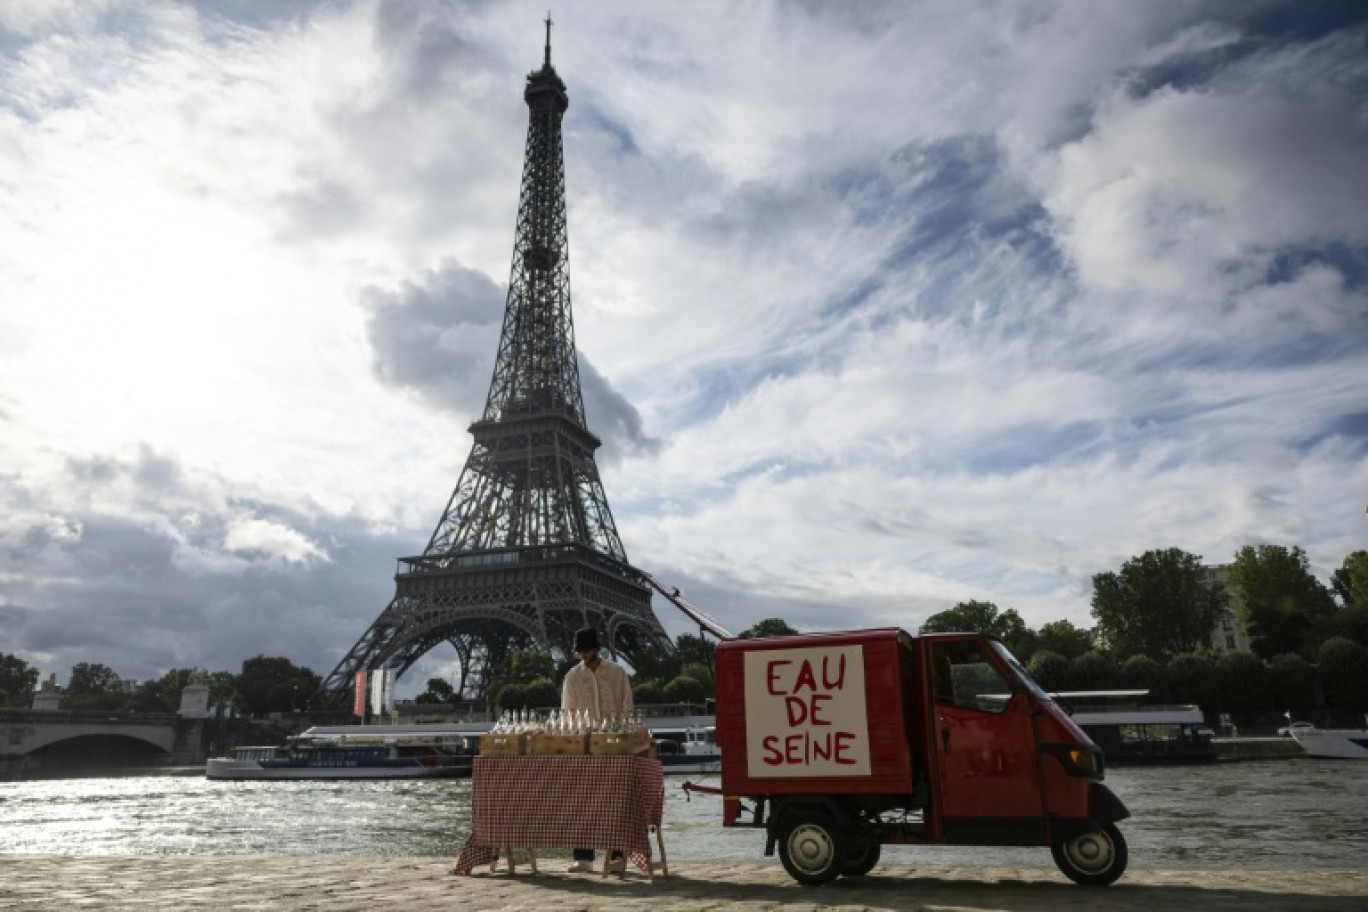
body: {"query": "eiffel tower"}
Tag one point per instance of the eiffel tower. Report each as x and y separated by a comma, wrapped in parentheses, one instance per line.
(526, 551)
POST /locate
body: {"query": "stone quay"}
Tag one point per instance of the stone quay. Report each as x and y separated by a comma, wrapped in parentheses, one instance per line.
(366, 884)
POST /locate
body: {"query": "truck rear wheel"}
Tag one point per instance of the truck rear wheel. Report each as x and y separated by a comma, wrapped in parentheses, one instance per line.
(1095, 858)
(812, 847)
(862, 857)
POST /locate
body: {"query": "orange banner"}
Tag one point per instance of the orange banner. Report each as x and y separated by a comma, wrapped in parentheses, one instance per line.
(359, 698)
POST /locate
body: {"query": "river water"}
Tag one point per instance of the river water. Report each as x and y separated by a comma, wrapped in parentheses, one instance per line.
(1256, 814)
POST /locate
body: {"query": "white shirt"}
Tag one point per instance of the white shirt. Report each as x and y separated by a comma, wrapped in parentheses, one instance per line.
(602, 692)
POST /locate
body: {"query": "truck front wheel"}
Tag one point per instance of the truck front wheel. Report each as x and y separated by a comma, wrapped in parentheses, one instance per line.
(812, 847)
(1094, 859)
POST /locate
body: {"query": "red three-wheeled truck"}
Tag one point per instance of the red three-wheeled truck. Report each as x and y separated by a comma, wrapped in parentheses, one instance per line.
(839, 743)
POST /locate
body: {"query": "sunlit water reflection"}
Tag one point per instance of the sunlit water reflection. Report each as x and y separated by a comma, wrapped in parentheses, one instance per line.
(1273, 814)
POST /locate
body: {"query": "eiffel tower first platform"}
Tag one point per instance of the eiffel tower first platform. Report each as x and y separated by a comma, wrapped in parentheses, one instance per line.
(526, 551)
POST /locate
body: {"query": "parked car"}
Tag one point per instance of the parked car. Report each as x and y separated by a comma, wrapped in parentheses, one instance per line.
(1287, 730)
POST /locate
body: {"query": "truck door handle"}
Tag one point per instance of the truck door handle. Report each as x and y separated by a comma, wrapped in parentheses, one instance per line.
(945, 740)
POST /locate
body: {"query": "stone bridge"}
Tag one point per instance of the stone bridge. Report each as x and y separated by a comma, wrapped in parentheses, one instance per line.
(64, 741)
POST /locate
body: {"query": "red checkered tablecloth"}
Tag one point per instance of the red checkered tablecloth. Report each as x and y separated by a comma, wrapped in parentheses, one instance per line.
(606, 803)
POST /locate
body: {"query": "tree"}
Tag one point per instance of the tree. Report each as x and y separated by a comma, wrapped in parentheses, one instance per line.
(983, 617)
(1242, 681)
(1292, 683)
(685, 689)
(1276, 598)
(162, 695)
(1192, 678)
(539, 693)
(1344, 673)
(94, 686)
(520, 669)
(1350, 585)
(1350, 581)
(17, 681)
(1050, 669)
(768, 627)
(648, 692)
(1156, 605)
(270, 684)
(1064, 638)
(438, 691)
(1092, 671)
(1140, 672)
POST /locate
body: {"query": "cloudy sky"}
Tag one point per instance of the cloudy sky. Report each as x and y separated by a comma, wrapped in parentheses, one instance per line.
(880, 306)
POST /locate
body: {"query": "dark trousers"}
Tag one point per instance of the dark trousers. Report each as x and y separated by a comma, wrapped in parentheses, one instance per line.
(588, 855)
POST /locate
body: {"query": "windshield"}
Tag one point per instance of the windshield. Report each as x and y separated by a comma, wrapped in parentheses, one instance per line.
(1020, 671)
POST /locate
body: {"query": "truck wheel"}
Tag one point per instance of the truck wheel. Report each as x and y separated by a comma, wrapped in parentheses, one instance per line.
(1094, 859)
(812, 847)
(862, 857)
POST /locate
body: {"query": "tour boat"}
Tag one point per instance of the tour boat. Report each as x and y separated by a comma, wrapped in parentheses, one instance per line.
(354, 752)
(1137, 733)
(1333, 743)
(687, 748)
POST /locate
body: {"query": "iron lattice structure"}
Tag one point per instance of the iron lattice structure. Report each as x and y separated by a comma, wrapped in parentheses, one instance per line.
(526, 551)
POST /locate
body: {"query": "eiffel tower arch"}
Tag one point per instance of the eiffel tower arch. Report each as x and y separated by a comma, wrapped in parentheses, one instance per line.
(526, 551)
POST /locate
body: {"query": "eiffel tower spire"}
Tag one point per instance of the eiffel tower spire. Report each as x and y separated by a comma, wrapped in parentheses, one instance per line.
(526, 550)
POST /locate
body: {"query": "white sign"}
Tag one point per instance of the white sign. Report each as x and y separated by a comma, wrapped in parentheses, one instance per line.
(805, 712)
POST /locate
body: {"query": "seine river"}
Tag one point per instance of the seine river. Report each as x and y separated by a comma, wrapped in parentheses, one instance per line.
(1264, 814)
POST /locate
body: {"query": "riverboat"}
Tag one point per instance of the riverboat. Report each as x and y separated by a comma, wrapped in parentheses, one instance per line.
(688, 748)
(1137, 733)
(1333, 743)
(354, 752)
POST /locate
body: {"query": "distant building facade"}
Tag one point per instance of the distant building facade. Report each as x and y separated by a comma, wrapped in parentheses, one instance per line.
(1228, 634)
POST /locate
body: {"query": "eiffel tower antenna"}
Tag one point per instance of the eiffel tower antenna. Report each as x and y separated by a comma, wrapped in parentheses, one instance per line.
(526, 551)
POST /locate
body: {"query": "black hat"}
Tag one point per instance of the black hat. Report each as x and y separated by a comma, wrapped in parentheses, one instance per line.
(586, 639)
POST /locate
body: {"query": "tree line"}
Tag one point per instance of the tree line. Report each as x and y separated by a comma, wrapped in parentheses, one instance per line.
(1155, 617)
(265, 684)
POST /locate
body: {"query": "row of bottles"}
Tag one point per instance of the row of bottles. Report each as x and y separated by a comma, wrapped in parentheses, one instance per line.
(564, 722)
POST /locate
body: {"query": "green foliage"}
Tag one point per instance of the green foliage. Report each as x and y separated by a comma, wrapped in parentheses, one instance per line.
(648, 692)
(1064, 638)
(984, 617)
(1344, 673)
(518, 671)
(685, 689)
(438, 691)
(1156, 605)
(94, 686)
(1292, 683)
(1140, 672)
(1192, 678)
(162, 695)
(1050, 669)
(1242, 682)
(539, 693)
(18, 680)
(768, 627)
(1276, 598)
(700, 673)
(269, 684)
(1093, 671)
(1350, 581)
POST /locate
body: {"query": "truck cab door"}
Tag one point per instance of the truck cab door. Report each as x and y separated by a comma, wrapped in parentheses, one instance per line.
(983, 738)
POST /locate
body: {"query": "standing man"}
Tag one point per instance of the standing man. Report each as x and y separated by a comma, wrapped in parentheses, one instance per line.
(595, 684)
(602, 688)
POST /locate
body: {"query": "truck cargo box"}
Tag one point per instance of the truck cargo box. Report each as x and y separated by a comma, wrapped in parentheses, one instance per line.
(823, 713)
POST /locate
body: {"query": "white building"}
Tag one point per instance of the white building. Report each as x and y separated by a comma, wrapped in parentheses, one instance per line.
(1228, 635)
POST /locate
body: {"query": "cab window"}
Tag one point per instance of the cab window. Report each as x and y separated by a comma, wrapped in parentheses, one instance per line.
(967, 678)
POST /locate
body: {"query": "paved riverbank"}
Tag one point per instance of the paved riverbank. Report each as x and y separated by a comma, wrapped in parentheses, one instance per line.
(173, 883)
